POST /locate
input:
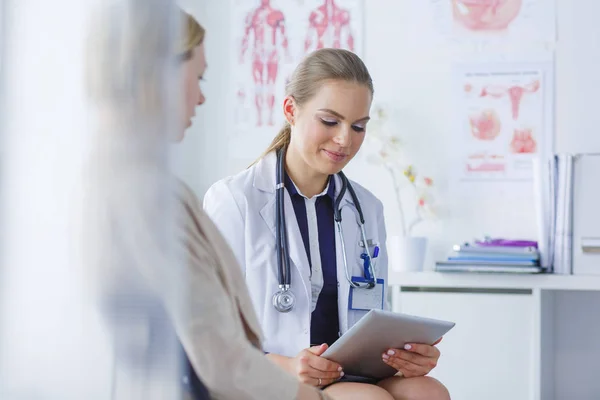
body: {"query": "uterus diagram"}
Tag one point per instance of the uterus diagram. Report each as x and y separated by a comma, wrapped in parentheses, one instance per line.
(515, 93)
(486, 15)
(497, 120)
(485, 124)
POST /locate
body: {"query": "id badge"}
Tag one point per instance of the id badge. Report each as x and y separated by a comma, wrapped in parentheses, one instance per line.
(366, 299)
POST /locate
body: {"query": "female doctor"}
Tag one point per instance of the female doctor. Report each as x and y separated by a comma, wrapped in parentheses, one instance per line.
(298, 228)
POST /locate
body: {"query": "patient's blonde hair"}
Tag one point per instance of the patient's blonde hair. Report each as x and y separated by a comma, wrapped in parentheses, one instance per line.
(129, 66)
(193, 36)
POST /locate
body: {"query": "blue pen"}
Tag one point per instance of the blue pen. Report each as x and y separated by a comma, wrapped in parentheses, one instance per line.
(366, 262)
(365, 258)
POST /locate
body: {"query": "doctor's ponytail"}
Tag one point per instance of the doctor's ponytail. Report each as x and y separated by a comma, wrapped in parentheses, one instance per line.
(310, 75)
(281, 140)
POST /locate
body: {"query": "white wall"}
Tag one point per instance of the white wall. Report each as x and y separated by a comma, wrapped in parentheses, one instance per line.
(51, 343)
(411, 73)
(198, 165)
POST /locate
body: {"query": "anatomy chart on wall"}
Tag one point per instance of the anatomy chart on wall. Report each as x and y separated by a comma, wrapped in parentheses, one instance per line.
(270, 38)
(529, 20)
(503, 119)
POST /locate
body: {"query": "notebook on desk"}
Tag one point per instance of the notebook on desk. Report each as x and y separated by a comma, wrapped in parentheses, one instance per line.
(488, 267)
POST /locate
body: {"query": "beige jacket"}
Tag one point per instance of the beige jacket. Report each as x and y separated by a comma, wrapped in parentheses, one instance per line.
(222, 335)
(148, 234)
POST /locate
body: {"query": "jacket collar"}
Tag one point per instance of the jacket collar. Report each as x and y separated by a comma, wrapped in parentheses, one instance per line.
(264, 173)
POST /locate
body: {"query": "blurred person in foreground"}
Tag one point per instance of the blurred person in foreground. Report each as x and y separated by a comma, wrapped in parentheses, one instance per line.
(162, 273)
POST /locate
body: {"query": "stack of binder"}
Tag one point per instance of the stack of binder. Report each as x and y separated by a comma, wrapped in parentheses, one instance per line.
(493, 256)
(554, 183)
(562, 199)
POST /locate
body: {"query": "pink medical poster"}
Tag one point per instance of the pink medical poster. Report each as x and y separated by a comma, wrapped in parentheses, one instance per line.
(529, 20)
(504, 120)
(270, 37)
(332, 23)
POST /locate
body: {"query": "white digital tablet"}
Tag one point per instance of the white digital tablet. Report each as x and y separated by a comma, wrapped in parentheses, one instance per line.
(359, 350)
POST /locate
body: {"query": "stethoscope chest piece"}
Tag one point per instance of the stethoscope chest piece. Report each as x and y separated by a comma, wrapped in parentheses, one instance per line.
(283, 300)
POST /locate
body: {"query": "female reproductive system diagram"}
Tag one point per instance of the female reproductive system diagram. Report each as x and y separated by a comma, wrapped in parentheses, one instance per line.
(502, 123)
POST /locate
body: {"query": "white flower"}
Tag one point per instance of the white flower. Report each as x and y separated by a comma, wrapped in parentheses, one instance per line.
(388, 151)
(375, 159)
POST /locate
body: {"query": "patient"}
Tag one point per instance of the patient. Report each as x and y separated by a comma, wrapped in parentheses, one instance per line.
(155, 252)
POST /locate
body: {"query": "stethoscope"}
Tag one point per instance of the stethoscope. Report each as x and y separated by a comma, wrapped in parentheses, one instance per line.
(284, 299)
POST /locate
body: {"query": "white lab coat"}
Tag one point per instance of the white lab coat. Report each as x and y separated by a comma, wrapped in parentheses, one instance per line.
(243, 208)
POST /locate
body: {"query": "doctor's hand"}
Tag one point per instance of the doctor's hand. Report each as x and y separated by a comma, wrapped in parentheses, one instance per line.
(414, 360)
(310, 368)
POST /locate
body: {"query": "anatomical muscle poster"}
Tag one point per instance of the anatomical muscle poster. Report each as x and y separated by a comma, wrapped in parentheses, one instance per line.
(503, 119)
(270, 38)
(524, 20)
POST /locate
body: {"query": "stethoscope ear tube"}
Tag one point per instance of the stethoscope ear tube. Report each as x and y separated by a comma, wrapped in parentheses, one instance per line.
(337, 215)
(283, 245)
(337, 212)
(352, 194)
(278, 220)
(283, 299)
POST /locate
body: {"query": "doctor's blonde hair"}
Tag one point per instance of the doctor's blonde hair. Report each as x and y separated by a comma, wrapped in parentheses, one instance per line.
(310, 75)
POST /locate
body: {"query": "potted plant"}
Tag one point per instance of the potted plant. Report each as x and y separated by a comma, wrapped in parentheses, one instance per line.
(413, 191)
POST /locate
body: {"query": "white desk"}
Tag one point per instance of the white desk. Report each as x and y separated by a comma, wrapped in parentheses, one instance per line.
(489, 281)
(529, 337)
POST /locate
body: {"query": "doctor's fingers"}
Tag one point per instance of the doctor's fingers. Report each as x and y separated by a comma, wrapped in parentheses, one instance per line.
(408, 369)
(416, 363)
(318, 378)
(428, 363)
(424, 349)
(323, 364)
(313, 368)
(318, 362)
(318, 382)
(415, 358)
